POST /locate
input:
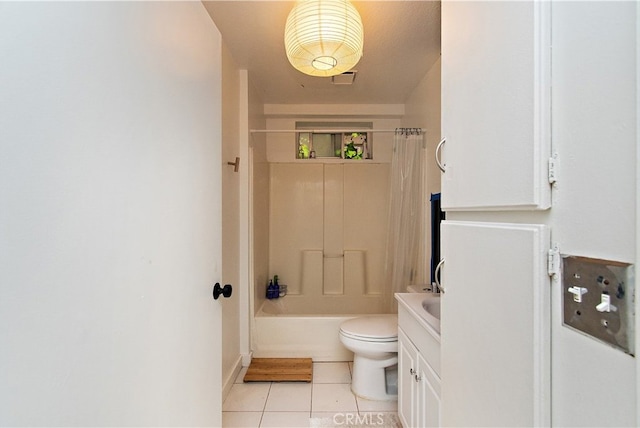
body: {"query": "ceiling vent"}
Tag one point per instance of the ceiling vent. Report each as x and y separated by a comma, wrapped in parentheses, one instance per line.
(345, 78)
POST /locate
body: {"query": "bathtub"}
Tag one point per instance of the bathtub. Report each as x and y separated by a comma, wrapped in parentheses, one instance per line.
(302, 326)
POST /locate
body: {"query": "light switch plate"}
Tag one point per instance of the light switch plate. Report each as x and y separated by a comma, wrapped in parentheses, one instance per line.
(605, 311)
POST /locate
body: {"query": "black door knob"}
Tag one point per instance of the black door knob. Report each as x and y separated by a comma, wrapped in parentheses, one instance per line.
(225, 291)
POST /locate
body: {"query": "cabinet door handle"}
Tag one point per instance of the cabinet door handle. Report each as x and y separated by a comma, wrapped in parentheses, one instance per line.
(417, 378)
(412, 371)
(438, 148)
(435, 276)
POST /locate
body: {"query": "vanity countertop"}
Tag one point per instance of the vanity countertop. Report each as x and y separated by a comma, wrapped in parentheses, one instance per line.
(419, 326)
(423, 308)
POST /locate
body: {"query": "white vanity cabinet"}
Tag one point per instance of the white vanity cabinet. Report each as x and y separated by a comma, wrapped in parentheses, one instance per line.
(418, 371)
(496, 105)
(418, 387)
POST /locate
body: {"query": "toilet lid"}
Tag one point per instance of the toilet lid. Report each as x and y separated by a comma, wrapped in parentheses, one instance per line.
(373, 328)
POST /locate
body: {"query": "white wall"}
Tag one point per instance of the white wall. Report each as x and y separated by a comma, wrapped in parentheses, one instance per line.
(594, 95)
(231, 312)
(422, 110)
(109, 191)
(260, 183)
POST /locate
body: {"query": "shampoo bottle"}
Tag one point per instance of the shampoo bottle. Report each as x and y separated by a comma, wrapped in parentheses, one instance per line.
(270, 290)
(276, 287)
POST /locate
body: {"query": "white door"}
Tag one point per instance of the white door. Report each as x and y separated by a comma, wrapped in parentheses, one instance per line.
(109, 214)
(407, 366)
(429, 393)
(496, 105)
(495, 325)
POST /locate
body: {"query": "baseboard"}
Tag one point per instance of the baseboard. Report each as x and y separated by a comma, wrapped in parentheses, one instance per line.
(228, 382)
(246, 359)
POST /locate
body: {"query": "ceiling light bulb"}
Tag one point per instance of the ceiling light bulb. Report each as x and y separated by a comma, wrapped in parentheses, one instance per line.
(323, 37)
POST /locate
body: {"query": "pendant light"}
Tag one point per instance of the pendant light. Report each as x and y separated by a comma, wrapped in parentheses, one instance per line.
(323, 37)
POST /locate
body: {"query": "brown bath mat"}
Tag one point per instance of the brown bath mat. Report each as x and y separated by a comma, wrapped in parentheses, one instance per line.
(279, 370)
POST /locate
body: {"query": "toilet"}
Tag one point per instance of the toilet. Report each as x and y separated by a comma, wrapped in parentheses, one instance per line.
(374, 343)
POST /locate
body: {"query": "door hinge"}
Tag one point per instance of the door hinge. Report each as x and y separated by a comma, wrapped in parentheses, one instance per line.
(553, 262)
(553, 164)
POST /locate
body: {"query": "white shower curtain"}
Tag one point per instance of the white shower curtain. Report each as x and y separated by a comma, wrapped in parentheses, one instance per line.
(406, 260)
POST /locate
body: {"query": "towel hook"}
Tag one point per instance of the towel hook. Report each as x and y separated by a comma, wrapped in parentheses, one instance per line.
(236, 164)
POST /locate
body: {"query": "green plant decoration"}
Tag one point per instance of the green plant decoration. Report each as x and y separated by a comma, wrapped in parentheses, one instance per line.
(303, 151)
(351, 152)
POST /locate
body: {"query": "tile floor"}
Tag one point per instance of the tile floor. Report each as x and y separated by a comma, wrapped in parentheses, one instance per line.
(327, 401)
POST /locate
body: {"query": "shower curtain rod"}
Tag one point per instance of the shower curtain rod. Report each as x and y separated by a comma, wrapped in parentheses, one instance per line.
(323, 130)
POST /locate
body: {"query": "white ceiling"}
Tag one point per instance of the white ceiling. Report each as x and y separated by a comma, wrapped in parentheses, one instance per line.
(401, 43)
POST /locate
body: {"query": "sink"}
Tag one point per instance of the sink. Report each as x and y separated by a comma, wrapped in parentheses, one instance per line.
(424, 306)
(431, 307)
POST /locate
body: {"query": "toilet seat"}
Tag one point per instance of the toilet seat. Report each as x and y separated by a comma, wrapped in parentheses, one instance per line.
(377, 328)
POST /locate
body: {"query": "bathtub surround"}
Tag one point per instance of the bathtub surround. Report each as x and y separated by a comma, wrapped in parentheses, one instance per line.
(327, 233)
(342, 278)
(327, 230)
